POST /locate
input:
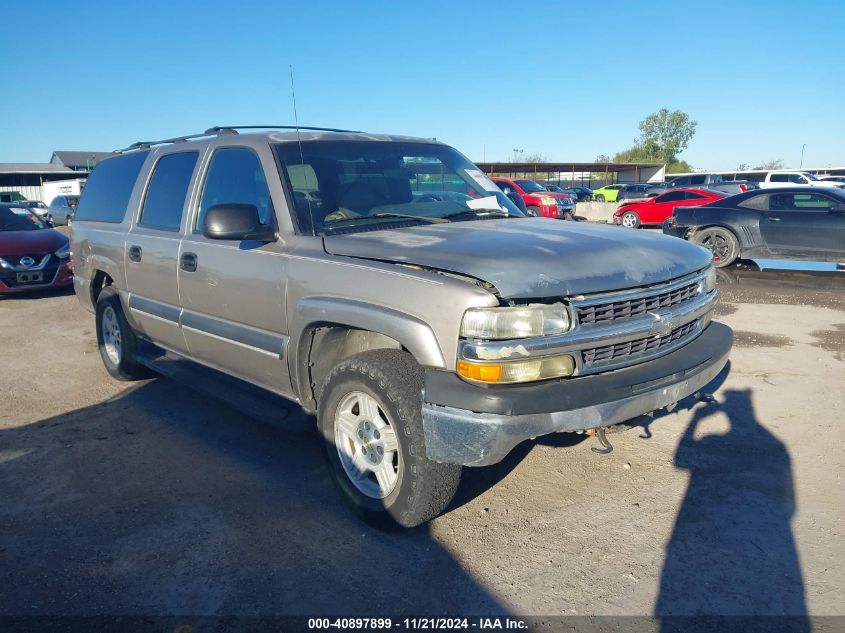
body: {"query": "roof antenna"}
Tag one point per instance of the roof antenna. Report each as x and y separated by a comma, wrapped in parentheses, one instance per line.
(301, 155)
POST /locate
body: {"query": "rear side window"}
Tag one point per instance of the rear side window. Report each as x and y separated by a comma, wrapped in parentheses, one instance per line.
(693, 196)
(235, 175)
(109, 187)
(165, 198)
(672, 196)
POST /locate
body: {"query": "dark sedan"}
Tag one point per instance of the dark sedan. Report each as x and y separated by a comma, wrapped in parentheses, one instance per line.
(787, 222)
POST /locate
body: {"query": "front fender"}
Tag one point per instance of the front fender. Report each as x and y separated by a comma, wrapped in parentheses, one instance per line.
(412, 333)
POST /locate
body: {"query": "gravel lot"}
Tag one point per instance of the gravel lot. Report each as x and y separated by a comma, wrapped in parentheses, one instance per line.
(150, 499)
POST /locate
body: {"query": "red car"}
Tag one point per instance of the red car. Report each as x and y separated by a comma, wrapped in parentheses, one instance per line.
(33, 256)
(538, 199)
(654, 210)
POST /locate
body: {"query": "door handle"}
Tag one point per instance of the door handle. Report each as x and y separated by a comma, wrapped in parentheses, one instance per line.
(774, 219)
(135, 253)
(188, 262)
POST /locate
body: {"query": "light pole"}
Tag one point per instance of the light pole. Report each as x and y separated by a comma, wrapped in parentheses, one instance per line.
(515, 152)
(801, 164)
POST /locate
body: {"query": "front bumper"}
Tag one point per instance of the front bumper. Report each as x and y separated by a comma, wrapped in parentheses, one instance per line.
(63, 276)
(477, 425)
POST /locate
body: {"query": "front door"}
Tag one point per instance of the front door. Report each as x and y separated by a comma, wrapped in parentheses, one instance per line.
(803, 225)
(233, 293)
(152, 250)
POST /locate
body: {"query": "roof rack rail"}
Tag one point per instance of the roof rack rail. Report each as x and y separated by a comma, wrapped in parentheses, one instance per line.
(234, 128)
(227, 129)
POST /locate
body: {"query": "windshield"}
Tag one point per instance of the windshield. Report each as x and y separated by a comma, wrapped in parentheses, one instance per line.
(352, 185)
(530, 186)
(19, 219)
(808, 175)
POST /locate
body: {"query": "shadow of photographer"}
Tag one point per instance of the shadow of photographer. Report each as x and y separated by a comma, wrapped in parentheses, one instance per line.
(732, 551)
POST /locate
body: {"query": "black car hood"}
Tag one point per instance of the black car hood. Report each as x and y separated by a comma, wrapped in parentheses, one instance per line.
(532, 257)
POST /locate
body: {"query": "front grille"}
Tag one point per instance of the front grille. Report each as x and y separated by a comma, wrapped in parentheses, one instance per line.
(628, 348)
(48, 273)
(15, 260)
(624, 309)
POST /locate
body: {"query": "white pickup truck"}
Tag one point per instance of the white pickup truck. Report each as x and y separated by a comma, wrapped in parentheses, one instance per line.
(792, 178)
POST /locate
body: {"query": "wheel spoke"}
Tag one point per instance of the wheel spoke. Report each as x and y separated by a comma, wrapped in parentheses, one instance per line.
(359, 465)
(388, 440)
(385, 476)
(347, 424)
(368, 409)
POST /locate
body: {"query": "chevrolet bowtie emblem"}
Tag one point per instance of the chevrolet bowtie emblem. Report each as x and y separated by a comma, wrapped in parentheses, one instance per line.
(662, 324)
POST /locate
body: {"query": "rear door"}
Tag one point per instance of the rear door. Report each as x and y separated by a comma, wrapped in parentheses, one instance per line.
(804, 225)
(152, 250)
(233, 293)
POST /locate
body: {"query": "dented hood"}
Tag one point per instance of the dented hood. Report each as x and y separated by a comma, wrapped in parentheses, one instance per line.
(532, 257)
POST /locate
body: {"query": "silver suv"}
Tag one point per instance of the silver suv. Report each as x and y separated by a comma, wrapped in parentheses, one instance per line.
(389, 287)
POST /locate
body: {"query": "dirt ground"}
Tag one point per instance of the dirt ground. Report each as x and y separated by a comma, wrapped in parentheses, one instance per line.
(150, 499)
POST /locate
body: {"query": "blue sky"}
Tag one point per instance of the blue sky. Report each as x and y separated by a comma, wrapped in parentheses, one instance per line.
(568, 80)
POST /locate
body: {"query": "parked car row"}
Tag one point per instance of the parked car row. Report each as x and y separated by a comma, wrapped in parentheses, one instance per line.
(538, 200)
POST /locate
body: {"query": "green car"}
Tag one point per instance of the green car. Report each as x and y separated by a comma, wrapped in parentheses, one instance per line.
(607, 193)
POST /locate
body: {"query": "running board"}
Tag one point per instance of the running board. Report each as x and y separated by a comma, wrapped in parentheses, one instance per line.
(237, 394)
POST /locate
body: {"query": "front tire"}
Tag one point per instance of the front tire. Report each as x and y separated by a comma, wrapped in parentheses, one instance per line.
(117, 341)
(630, 220)
(721, 242)
(370, 417)
(534, 211)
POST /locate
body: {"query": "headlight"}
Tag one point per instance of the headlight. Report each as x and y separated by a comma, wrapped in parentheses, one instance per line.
(519, 322)
(710, 279)
(63, 252)
(547, 200)
(518, 371)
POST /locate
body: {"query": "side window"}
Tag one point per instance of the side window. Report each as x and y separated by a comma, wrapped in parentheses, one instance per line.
(779, 178)
(693, 196)
(165, 197)
(760, 202)
(109, 188)
(235, 175)
(698, 180)
(798, 179)
(812, 202)
(672, 196)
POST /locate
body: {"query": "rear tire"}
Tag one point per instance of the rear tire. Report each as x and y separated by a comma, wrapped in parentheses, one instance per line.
(721, 242)
(370, 417)
(600, 198)
(116, 339)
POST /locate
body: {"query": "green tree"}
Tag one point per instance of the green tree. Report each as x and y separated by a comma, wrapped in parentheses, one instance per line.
(535, 157)
(772, 164)
(663, 135)
(666, 134)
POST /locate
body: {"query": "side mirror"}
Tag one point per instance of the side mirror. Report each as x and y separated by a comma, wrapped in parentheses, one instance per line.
(235, 221)
(838, 208)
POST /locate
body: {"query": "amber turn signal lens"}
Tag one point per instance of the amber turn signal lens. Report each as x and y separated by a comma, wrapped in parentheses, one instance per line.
(483, 373)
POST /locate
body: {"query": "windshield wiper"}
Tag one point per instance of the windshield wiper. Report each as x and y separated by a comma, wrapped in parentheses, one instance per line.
(401, 216)
(476, 212)
(382, 216)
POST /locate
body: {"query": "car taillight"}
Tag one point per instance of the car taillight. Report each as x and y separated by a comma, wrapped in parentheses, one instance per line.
(743, 188)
